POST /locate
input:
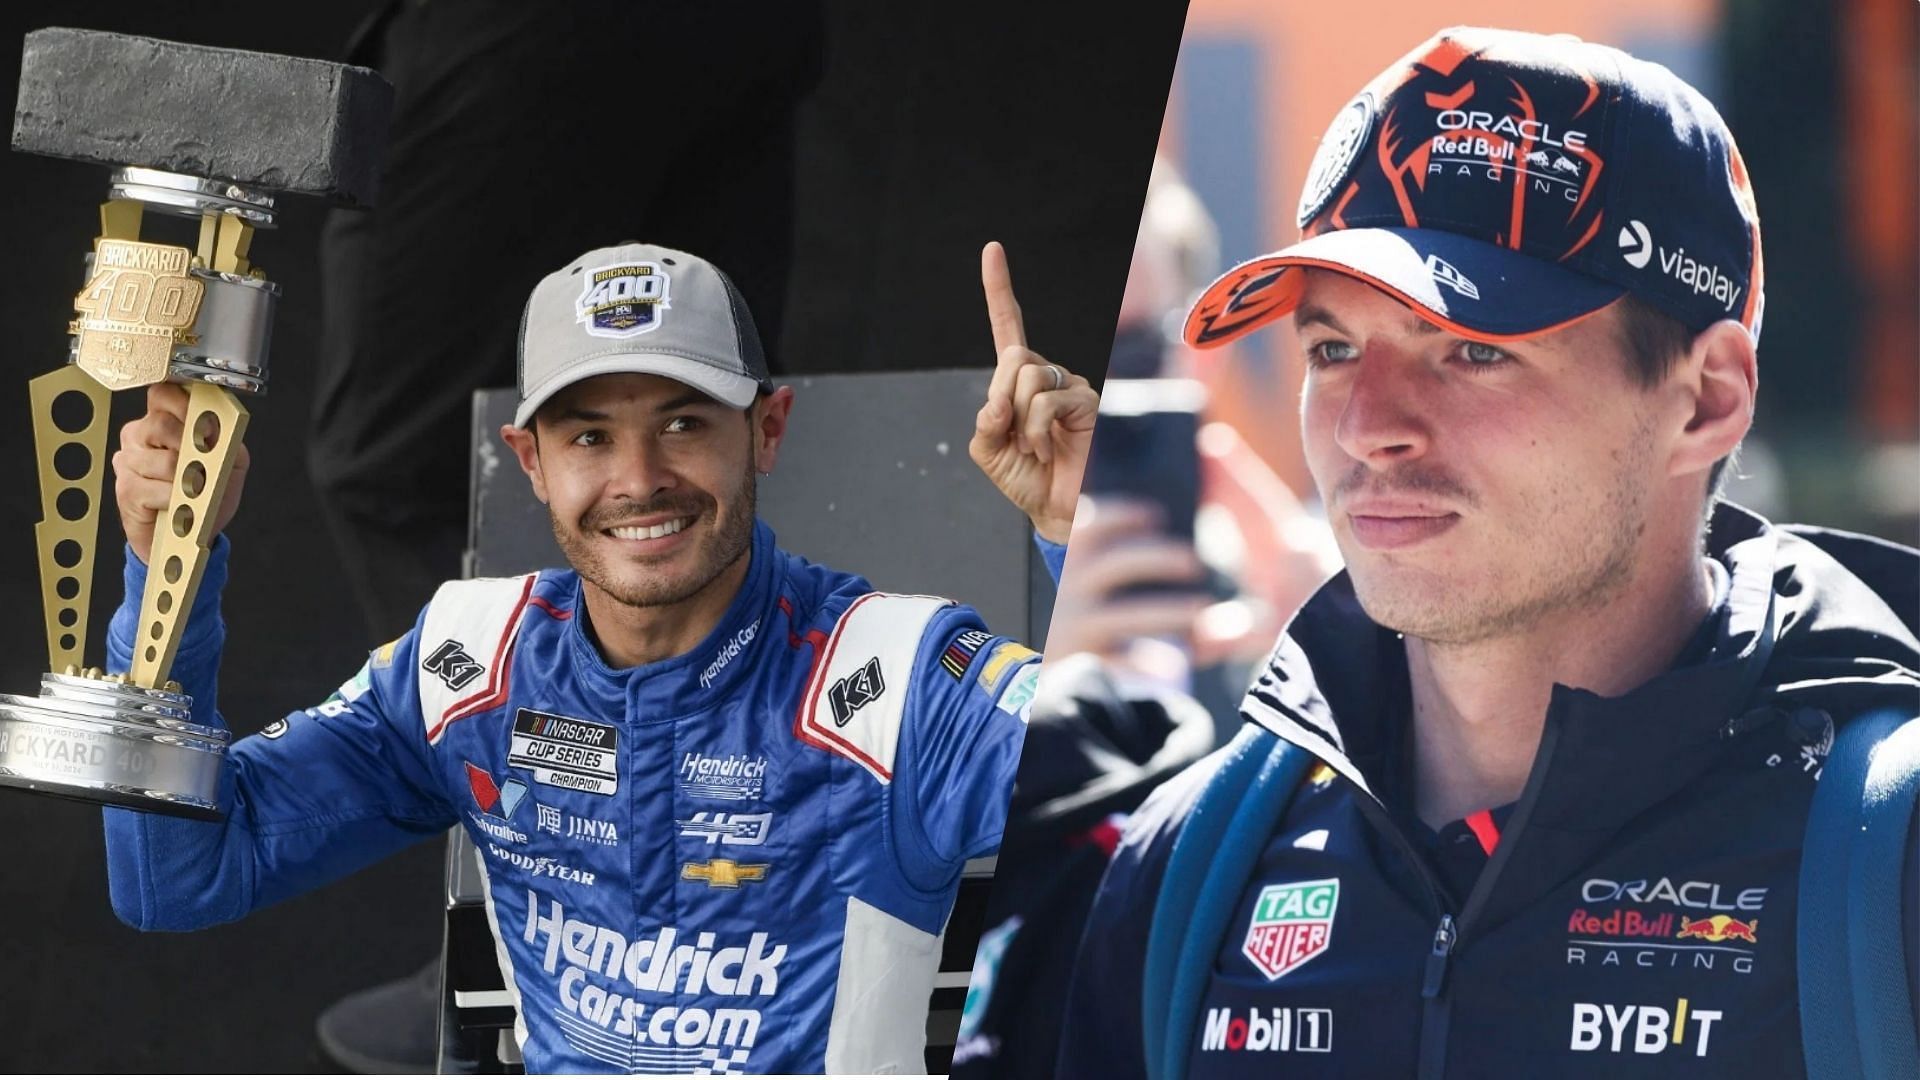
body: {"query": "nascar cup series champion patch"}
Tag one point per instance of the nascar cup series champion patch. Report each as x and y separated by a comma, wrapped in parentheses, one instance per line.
(623, 300)
(1292, 924)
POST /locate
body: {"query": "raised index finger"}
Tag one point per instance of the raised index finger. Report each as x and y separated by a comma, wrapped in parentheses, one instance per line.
(1003, 311)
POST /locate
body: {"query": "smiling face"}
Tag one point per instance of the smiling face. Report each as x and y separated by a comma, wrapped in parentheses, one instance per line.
(649, 483)
(1473, 488)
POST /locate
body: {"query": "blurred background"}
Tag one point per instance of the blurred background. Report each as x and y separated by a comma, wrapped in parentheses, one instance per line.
(1201, 534)
(1822, 99)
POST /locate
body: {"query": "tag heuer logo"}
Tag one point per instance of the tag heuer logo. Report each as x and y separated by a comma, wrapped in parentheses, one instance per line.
(1292, 924)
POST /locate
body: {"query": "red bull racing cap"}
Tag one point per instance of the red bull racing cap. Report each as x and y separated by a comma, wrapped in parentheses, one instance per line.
(1504, 184)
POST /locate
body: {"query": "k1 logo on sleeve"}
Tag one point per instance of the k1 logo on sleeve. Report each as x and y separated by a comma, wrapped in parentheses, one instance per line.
(452, 664)
(856, 691)
(1292, 924)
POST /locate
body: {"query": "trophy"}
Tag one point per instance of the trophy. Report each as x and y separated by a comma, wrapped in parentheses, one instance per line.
(196, 137)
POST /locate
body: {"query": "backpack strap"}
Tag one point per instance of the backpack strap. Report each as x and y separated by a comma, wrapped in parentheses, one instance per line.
(1856, 1008)
(1212, 858)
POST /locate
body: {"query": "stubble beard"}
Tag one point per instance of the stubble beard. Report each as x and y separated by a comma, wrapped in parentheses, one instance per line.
(636, 588)
(1579, 564)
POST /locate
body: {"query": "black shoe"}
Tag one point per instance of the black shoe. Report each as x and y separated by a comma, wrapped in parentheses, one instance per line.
(390, 1028)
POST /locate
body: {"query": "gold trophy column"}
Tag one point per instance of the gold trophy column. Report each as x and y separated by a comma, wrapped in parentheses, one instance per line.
(139, 302)
(184, 534)
(70, 439)
(182, 537)
(191, 153)
(71, 463)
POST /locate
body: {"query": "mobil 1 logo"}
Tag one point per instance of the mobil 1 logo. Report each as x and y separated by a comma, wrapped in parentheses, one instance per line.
(1280, 1030)
(562, 752)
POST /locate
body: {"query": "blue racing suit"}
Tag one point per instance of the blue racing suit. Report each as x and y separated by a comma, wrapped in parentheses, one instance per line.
(739, 859)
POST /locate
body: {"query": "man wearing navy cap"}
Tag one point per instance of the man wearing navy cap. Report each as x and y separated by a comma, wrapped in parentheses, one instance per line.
(1558, 726)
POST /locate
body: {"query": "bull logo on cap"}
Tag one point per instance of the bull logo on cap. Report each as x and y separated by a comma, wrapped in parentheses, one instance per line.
(1459, 138)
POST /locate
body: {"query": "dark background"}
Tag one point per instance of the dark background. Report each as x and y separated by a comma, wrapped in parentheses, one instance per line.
(926, 137)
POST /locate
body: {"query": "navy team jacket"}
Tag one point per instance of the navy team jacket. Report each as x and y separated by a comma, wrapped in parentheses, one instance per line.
(1635, 915)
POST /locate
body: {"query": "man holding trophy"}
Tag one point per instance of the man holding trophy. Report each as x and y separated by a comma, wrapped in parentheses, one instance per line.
(722, 796)
(203, 142)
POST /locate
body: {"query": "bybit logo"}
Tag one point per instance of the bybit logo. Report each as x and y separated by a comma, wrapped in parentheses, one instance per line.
(1654, 1029)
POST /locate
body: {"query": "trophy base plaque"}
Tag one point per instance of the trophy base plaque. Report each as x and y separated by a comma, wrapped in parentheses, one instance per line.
(107, 741)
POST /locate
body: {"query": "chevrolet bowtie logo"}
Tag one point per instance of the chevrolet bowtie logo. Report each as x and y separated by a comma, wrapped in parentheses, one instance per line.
(723, 873)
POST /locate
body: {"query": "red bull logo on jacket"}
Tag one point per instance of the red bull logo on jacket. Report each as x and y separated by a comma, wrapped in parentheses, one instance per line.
(1622, 922)
(1720, 928)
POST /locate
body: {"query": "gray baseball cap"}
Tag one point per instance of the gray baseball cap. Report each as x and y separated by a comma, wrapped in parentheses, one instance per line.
(640, 309)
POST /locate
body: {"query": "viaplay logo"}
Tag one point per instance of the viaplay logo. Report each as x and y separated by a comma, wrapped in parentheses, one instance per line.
(1638, 248)
(1636, 244)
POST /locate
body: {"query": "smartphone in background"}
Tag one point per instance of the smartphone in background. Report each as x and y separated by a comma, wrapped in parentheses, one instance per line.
(1145, 448)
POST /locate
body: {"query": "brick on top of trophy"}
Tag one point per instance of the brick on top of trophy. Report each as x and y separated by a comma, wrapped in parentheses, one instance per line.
(278, 123)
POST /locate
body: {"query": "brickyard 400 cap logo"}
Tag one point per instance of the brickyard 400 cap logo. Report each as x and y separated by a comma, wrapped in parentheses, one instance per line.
(1292, 924)
(622, 300)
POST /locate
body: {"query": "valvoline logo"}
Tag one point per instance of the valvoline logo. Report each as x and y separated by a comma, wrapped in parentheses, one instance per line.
(488, 795)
